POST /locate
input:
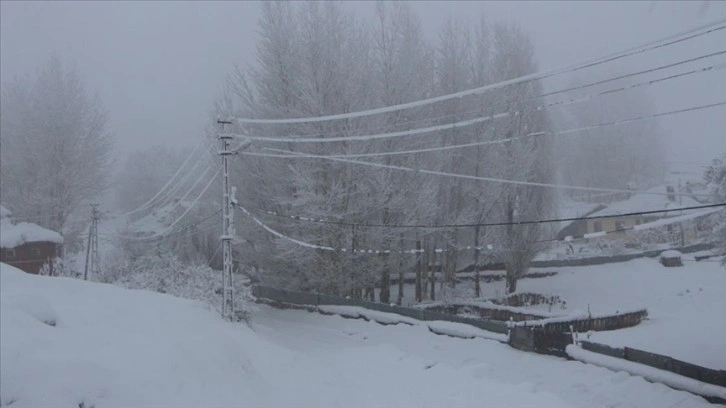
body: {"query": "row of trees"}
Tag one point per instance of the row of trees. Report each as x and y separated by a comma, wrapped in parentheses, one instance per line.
(317, 59)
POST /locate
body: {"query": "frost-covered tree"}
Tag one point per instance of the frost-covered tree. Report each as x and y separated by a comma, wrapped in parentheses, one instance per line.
(55, 145)
(525, 158)
(317, 59)
(715, 178)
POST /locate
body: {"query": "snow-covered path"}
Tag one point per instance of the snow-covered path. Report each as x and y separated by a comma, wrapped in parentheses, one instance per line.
(66, 342)
(346, 343)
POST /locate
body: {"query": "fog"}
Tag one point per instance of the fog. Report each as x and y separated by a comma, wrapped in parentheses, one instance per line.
(528, 168)
(158, 66)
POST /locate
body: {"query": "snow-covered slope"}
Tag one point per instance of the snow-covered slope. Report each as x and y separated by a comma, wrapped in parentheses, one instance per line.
(67, 342)
(686, 305)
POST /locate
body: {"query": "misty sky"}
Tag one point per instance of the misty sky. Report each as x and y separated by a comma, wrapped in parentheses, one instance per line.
(159, 65)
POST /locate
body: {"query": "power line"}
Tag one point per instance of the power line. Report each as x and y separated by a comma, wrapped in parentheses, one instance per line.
(480, 119)
(294, 154)
(169, 197)
(495, 224)
(162, 233)
(648, 225)
(187, 228)
(667, 41)
(583, 86)
(489, 247)
(168, 183)
(498, 180)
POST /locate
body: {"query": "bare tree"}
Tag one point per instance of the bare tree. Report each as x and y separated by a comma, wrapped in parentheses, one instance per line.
(524, 158)
(715, 178)
(55, 145)
(316, 59)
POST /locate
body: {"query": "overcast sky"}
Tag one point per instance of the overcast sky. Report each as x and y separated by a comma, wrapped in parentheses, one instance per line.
(159, 65)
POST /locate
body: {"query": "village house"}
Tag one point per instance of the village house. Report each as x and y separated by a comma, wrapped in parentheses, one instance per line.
(618, 220)
(27, 246)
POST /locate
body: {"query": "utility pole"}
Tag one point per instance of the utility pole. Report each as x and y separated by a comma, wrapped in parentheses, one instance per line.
(227, 226)
(92, 244)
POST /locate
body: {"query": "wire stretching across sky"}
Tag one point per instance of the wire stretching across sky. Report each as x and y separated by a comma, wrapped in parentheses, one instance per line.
(169, 197)
(148, 204)
(496, 224)
(165, 230)
(641, 227)
(574, 88)
(664, 42)
(490, 179)
(288, 153)
(482, 119)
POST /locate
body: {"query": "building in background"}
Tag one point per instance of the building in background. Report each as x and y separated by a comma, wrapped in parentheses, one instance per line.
(27, 246)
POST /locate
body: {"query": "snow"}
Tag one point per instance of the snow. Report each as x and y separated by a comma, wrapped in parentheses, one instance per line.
(685, 305)
(650, 373)
(14, 235)
(113, 347)
(360, 312)
(439, 327)
(675, 220)
(4, 212)
(464, 331)
(648, 201)
(493, 306)
(672, 253)
(461, 363)
(574, 209)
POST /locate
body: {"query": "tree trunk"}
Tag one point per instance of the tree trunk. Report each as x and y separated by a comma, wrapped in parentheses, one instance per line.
(434, 267)
(477, 287)
(385, 294)
(426, 255)
(511, 282)
(418, 271)
(370, 294)
(400, 273)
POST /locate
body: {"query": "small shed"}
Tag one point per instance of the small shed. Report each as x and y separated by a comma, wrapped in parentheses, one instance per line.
(25, 245)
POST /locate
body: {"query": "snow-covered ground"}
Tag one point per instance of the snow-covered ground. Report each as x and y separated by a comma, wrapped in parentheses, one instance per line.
(69, 343)
(686, 305)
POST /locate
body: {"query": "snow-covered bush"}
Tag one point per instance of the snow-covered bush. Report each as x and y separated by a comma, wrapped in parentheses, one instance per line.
(59, 268)
(164, 273)
(611, 247)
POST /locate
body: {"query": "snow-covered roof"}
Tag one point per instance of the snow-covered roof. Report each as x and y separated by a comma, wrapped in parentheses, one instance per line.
(575, 209)
(648, 202)
(13, 235)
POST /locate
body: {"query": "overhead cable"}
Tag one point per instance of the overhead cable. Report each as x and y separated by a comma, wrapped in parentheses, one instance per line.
(664, 42)
(496, 224)
(473, 121)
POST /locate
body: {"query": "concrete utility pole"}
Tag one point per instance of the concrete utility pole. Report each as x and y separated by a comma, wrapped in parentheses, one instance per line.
(227, 225)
